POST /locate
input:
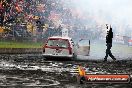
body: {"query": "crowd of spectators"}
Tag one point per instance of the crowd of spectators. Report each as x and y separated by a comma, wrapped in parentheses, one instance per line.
(42, 17)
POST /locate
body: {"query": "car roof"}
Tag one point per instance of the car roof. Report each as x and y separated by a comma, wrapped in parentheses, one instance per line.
(59, 37)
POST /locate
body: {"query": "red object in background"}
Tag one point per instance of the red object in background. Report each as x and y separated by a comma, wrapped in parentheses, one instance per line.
(1, 8)
(21, 0)
(129, 40)
(0, 5)
(18, 8)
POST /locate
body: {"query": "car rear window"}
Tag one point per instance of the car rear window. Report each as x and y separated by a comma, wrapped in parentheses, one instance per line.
(58, 43)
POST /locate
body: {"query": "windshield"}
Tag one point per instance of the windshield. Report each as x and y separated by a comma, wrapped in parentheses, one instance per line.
(58, 43)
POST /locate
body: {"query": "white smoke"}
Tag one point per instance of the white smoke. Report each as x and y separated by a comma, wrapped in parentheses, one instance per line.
(114, 12)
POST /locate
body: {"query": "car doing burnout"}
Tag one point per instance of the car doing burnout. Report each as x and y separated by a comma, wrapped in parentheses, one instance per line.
(60, 47)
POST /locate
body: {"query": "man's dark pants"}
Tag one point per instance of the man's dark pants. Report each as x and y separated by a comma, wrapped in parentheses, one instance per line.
(108, 52)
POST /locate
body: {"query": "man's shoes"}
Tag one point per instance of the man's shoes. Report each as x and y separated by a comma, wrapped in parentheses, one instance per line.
(114, 59)
(105, 60)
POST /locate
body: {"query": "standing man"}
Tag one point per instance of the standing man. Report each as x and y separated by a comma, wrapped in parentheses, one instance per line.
(109, 37)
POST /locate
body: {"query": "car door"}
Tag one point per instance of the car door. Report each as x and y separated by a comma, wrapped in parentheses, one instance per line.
(83, 47)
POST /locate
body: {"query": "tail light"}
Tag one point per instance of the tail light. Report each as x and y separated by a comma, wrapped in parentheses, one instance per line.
(70, 50)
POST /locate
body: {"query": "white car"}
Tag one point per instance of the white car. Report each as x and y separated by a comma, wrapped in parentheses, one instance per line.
(59, 47)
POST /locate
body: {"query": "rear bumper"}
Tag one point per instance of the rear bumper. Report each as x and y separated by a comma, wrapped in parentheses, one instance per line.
(57, 56)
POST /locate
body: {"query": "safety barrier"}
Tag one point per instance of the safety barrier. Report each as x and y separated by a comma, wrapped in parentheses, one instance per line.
(20, 50)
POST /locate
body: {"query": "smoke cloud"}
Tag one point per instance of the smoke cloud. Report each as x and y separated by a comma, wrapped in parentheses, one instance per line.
(118, 13)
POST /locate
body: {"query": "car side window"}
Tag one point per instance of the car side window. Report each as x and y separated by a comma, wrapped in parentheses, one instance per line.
(50, 43)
